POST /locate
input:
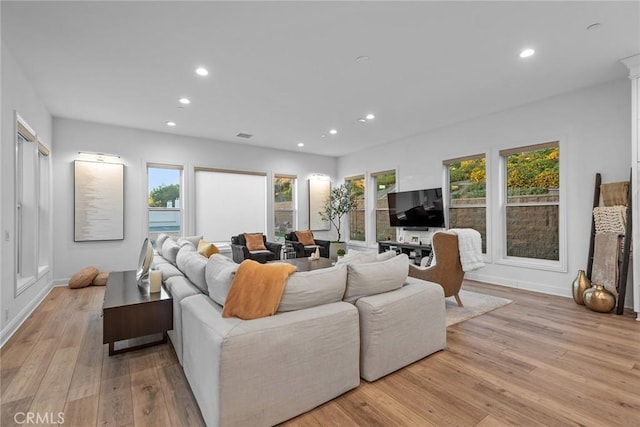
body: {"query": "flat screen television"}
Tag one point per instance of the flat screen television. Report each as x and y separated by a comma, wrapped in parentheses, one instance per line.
(417, 208)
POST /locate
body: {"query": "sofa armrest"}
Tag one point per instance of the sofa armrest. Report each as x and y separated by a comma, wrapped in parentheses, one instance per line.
(265, 371)
(298, 247)
(324, 247)
(239, 252)
(275, 248)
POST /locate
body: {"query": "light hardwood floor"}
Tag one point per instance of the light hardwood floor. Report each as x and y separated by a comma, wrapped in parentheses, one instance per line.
(542, 360)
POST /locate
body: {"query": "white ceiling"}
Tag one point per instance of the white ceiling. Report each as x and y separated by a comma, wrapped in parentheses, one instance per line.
(286, 72)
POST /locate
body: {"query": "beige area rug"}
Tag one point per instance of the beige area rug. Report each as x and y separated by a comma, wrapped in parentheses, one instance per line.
(475, 304)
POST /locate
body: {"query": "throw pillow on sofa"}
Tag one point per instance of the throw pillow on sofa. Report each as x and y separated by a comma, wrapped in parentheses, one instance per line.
(170, 250)
(307, 289)
(207, 249)
(193, 265)
(160, 241)
(376, 277)
(219, 274)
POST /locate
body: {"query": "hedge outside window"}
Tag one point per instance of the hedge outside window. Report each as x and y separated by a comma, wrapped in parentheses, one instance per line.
(532, 207)
(357, 215)
(467, 178)
(284, 210)
(164, 200)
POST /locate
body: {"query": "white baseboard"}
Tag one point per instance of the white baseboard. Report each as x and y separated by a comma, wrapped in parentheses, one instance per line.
(529, 286)
(8, 331)
(521, 284)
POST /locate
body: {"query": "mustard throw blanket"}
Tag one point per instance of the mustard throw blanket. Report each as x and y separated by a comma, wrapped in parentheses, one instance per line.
(256, 289)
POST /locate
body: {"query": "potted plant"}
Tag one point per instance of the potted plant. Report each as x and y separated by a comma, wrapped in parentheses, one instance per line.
(340, 202)
(340, 252)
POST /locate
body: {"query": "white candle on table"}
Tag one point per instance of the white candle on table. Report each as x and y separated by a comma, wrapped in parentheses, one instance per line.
(155, 281)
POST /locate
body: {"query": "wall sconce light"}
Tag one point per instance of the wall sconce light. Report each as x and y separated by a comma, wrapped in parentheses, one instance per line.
(99, 157)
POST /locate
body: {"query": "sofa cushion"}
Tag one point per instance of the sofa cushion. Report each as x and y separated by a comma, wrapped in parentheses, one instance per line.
(207, 249)
(157, 260)
(194, 240)
(219, 274)
(170, 250)
(385, 255)
(193, 265)
(357, 257)
(160, 241)
(182, 242)
(168, 270)
(376, 277)
(312, 288)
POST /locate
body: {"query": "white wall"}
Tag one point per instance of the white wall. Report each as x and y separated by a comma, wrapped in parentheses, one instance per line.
(594, 125)
(137, 148)
(17, 95)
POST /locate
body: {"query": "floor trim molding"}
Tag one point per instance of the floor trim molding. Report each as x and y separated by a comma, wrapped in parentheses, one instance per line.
(8, 331)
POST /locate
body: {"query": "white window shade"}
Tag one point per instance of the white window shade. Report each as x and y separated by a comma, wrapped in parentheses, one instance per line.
(228, 203)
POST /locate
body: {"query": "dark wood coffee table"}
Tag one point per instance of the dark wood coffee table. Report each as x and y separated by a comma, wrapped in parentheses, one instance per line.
(304, 264)
(130, 311)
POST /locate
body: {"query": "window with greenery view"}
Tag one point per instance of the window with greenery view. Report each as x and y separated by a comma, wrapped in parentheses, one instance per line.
(467, 194)
(384, 182)
(164, 200)
(532, 201)
(357, 215)
(284, 205)
(33, 207)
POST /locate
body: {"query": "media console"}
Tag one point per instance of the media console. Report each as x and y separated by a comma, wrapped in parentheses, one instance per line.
(415, 252)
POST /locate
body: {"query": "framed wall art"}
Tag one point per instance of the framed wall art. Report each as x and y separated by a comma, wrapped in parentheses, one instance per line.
(98, 201)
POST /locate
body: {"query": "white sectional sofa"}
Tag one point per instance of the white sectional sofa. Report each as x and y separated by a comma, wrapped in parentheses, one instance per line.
(361, 318)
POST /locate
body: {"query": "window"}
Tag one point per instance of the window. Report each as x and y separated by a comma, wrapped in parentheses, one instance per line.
(531, 214)
(357, 215)
(284, 205)
(383, 183)
(44, 212)
(467, 178)
(165, 200)
(229, 202)
(33, 206)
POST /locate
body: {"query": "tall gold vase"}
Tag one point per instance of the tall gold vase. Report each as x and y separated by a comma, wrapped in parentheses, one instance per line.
(599, 299)
(579, 285)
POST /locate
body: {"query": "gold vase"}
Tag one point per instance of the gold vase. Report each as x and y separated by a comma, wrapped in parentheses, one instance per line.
(599, 299)
(579, 285)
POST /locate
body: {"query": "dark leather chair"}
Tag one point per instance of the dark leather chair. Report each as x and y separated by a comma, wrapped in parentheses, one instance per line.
(241, 252)
(305, 251)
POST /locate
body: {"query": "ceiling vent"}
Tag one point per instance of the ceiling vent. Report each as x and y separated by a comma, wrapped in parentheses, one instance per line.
(244, 135)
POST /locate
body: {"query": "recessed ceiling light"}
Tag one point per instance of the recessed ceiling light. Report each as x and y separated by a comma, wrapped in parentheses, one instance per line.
(201, 71)
(300, 144)
(184, 101)
(362, 120)
(527, 53)
(323, 136)
(333, 131)
(170, 123)
(370, 116)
